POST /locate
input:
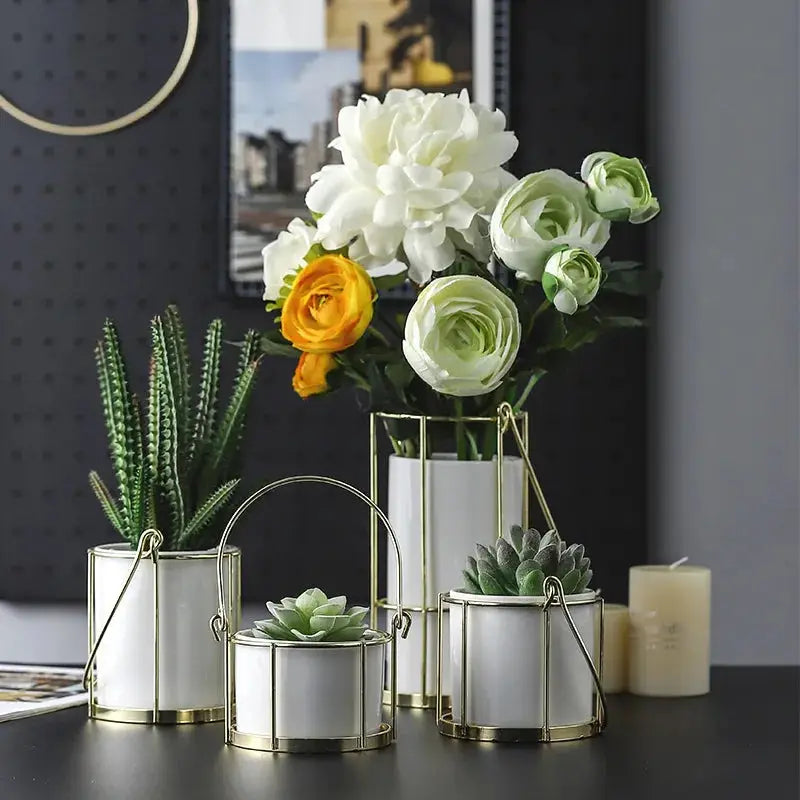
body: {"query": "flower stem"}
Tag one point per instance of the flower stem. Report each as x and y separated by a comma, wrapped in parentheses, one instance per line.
(461, 434)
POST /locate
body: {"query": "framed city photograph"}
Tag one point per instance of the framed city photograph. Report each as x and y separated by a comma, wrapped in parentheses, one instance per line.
(295, 63)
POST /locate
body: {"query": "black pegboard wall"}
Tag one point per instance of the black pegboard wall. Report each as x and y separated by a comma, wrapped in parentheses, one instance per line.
(124, 223)
(119, 225)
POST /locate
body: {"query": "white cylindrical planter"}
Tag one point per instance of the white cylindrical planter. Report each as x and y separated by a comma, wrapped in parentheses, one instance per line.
(189, 684)
(505, 664)
(461, 509)
(317, 689)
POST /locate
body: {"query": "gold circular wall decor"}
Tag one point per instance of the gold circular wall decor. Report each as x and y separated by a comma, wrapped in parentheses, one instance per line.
(128, 119)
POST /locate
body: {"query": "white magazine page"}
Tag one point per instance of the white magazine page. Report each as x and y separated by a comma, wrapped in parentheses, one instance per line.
(28, 690)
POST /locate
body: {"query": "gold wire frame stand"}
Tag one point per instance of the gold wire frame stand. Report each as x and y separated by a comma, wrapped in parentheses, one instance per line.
(127, 119)
(506, 417)
(149, 548)
(221, 628)
(463, 729)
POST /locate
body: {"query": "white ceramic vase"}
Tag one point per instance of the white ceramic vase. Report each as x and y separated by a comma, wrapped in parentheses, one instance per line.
(317, 689)
(190, 675)
(461, 509)
(505, 677)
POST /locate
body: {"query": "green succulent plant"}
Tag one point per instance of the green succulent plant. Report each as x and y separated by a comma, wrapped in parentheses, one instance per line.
(175, 461)
(312, 617)
(519, 565)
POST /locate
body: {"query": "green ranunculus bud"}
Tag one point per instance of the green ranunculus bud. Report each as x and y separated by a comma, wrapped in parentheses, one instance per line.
(618, 188)
(571, 278)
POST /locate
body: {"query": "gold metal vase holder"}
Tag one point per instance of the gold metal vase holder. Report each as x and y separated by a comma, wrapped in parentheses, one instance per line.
(426, 696)
(231, 638)
(506, 419)
(554, 596)
(149, 548)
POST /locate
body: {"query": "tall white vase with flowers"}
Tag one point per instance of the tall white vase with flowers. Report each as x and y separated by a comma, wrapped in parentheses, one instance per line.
(505, 283)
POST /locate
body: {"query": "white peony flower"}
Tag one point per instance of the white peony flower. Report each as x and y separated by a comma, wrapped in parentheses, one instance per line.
(540, 213)
(571, 279)
(462, 335)
(421, 173)
(286, 255)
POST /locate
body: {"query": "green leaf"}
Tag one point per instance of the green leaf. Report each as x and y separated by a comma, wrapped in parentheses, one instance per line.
(228, 437)
(107, 503)
(527, 566)
(584, 581)
(471, 583)
(124, 443)
(515, 534)
(570, 581)
(275, 345)
(633, 282)
(386, 282)
(507, 560)
(400, 375)
(565, 564)
(177, 351)
(623, 322)
(248, 352)
(206, 414)
(617, 266)
(154, 443)
(550, 286)
(207, 511)
(169, 461)
(547, 558)
(530, 544)
(550, 538)
(490, 585)
(532, 585)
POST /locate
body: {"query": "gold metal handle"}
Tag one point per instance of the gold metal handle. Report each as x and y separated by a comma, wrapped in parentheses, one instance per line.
(507, 417)
(128, 119)
(219, 622)
(149, 544)
(553, 589)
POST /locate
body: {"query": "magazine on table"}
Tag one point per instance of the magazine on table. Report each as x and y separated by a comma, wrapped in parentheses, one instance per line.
(27, 690)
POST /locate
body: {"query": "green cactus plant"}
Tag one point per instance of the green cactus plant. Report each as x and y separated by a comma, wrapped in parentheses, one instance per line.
(313, 617)
(519, 565)
(175, 461)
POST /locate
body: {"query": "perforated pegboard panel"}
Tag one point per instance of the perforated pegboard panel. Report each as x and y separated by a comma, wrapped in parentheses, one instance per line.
(122, 224)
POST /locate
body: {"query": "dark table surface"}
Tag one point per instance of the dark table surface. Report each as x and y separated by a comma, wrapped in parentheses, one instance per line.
(741, 741)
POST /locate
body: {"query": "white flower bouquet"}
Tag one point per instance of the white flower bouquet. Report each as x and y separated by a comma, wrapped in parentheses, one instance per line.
(422, 196)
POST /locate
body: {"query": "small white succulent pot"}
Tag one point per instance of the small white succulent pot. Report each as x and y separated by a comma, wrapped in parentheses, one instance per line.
(316, 689)
(155, 662)
(309, 679)
(507, 669)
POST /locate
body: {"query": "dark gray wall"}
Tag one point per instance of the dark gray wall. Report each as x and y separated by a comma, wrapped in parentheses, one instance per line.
(725, 103)
(122, 224)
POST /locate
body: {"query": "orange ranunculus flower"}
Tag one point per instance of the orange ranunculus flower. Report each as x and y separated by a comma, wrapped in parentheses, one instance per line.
(329, 306)
(310, 377)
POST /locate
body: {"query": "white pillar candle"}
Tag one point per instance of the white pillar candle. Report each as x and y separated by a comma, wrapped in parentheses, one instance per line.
(670, 625)
(615, 648)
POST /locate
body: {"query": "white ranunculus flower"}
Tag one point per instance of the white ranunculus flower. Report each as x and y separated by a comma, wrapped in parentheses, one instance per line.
(571, 279)
(297, 246)
(619, 188)
(286, 255)
(421, 174)
(540, 213)
(462, 335)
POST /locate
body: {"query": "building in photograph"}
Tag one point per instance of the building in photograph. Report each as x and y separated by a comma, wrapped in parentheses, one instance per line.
(249, 164)
(279, 153)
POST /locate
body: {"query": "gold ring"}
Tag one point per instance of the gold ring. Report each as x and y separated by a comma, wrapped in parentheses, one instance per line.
(128, 119)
